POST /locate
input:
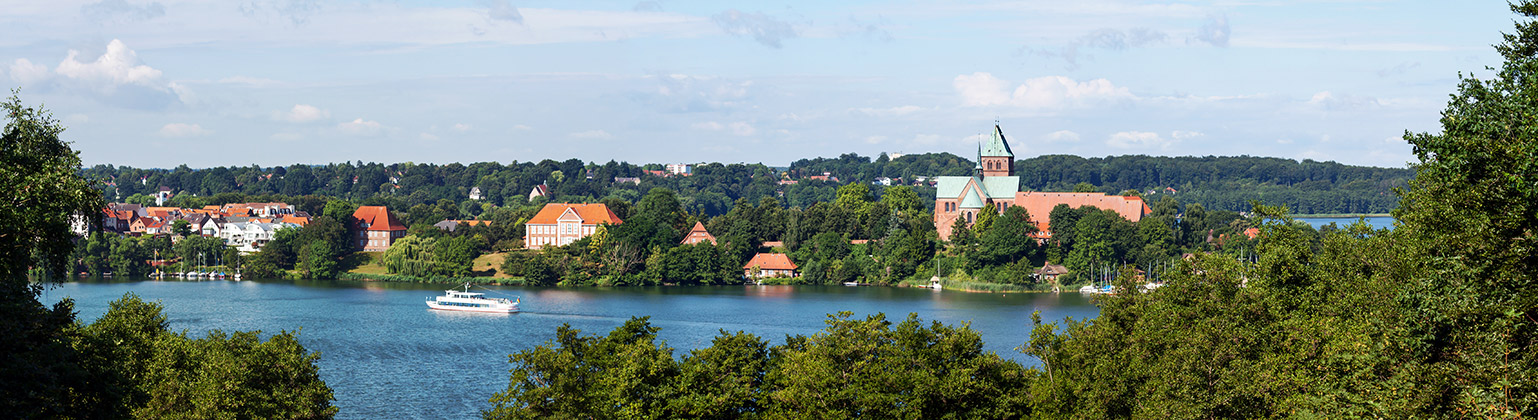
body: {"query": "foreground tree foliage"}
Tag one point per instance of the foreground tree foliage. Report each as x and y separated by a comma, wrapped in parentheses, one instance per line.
(855, 367)
(127, 364)
(1435, 319)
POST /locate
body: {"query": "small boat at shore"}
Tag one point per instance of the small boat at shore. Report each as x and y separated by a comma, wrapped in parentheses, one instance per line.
(467, 301)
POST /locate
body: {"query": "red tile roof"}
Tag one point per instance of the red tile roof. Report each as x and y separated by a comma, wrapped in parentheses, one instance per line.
(377, 218)
(768, 261)
(1039, 204)
(591, 214)
(698, 234)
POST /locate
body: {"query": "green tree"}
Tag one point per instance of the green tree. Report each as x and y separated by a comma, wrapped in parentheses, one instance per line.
(985, 218)
(319, 260)
(902, 200)
(626, 374)
(181, 228)
(44, 194)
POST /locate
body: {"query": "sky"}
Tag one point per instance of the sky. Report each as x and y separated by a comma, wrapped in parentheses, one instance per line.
(277, 82)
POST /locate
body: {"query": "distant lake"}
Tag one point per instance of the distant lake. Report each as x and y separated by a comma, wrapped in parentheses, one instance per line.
(1377, 222)
(387, 356)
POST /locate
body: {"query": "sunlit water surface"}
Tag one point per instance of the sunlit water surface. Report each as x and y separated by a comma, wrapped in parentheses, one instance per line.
(386, 355)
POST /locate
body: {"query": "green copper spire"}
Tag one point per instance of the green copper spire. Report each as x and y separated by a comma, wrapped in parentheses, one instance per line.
(997, 146)
(979, 157)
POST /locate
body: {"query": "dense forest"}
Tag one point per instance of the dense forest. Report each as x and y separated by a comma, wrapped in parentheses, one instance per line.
(1218, 183)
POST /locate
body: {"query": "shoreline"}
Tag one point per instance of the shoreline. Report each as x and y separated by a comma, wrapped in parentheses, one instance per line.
(1339, 215)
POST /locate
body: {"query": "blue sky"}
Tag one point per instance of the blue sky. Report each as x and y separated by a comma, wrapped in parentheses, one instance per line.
(275, 82)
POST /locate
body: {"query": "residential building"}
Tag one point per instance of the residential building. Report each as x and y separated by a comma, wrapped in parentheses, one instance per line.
(451, 225)
(161, 195)
(249, 237)
(539, 191)
(559, 224)
(698, 234)
(1049, 272)
(376, 228)
(766, 264)
(475, 193)
(632, 180)
(993, 181)
(682, 169)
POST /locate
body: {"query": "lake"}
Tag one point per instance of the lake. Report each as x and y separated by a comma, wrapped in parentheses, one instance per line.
(1377, 222)
(387, 356)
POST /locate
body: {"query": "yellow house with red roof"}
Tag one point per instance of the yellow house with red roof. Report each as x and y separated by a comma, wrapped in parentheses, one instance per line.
(559, 224)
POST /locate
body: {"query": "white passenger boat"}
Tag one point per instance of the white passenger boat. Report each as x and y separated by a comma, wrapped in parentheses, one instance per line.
(467, 301)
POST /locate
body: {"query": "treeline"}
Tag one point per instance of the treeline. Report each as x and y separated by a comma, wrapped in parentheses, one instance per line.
(1217, 183)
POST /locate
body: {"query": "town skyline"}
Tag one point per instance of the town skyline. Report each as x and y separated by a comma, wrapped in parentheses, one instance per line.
(279, 82)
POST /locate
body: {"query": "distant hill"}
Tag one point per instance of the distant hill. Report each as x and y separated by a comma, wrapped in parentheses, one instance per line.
(1218, 183)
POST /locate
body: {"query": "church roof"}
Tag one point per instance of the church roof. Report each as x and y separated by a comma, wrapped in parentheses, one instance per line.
(1001, 186)
(997, 146)
(995, 187)
(972, 200)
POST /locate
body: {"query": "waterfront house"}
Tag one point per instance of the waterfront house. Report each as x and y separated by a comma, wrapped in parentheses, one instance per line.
(559, 224)
(376, 228)
(1049, 272)
(698, 234)
(766, 264)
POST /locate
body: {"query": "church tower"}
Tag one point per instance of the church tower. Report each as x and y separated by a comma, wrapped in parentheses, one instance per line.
(996, 159)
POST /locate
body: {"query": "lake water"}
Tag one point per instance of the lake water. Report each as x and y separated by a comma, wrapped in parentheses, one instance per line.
(1377, 222)
(387, 356)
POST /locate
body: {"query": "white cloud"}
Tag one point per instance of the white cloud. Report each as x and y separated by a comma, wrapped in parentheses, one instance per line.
(1215, 31)
(286, 136)
(26, 73)
(461, 127)
(121, 11)
(522, 127)
(178, 130)
(888, 112)
(1062, 136)
(256, 82)
(302, 113)
(428, 136)
(763, 28)
(118, 66)
(875, 139)
(360, 127)
(1179, 135)
(592, 135)
(503, 10)
(1050, 92)
(741, 128)
(77, 119)
(1139, 140)
(981, 89)
(928, 139)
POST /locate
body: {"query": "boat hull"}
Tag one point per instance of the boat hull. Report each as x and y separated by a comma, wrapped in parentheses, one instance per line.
(489, 310)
